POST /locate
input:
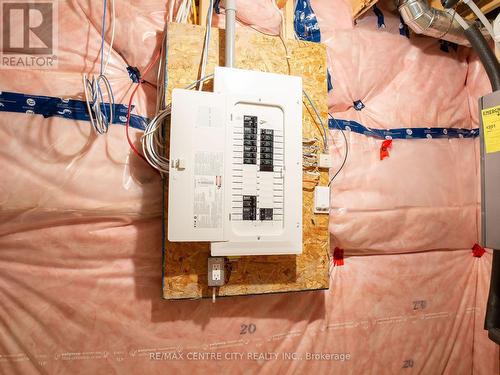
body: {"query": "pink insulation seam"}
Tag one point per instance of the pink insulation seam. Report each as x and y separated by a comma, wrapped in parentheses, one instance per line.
(80, 254)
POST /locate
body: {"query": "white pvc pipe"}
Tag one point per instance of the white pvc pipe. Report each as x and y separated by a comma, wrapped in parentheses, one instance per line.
(230, 7)
(472, 5)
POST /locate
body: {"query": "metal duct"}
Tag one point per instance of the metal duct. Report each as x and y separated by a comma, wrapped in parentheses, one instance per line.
(423, 19)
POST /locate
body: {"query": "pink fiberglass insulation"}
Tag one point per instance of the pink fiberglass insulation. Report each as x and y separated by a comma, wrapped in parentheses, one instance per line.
(422, 197)
(425, 195)
(402, 82)
(80, 227)
(53, 167)
(85, 298)
(260, 15)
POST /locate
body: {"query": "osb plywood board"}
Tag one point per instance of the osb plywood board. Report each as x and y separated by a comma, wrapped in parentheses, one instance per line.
(359, 7)
(185, 264)
(486, 6)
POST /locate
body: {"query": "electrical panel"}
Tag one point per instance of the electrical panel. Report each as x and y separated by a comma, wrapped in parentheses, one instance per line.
(236, 164)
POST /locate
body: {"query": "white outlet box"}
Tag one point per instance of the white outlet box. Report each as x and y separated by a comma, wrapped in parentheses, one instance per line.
(325, 161)
(321, 200)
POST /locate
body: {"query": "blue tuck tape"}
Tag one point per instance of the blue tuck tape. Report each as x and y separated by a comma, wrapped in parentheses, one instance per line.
(403, 133)
(134, 73)
(305, 22)
(380, 17)
(403, 28)
(358, 105)
(71, 109)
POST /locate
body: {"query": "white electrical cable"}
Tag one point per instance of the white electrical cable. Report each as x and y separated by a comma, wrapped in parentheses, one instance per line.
(204, 59)
(188, 11)
(96, 104)
(480, 15)
(325, 136)
(113, 23)
(171, 11)
(92, 86)
(180, 11)
(153, 141)
(459, 18)
(88, 99)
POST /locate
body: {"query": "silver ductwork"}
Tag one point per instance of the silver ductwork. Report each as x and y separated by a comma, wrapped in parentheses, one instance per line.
(425, 20)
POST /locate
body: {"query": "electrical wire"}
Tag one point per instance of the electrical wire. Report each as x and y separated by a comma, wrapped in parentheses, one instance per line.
(288, 57)
(92, 87)
(458, 18)
(129, 109)
(346, 150)
(206, 44)
(113, 23)
(280, 34)
(153, 140)
(325, 136)
(171, 11)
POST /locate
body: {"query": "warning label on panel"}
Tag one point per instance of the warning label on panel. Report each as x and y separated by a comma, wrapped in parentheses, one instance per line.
(491, 129)
(207, 210)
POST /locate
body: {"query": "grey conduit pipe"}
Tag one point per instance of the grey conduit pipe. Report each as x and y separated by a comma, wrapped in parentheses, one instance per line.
(230, 6)
(486, 55)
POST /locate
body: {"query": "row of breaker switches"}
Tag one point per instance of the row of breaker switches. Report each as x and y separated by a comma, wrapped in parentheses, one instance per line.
(250, 209)
(249, 139)
(266, 150)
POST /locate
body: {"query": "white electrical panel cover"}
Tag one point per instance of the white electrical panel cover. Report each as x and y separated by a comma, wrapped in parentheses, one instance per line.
(236, 164)
(197, 147)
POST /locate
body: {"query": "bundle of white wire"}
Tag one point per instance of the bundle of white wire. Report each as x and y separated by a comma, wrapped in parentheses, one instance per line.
(153, 140)
(92, 87)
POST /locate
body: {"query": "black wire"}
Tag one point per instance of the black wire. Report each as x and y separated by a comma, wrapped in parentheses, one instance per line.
(346, 149)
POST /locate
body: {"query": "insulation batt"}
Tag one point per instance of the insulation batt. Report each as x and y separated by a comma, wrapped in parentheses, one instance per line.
(80, 225)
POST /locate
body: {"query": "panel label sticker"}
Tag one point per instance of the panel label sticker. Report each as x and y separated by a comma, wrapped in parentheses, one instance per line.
(208, 197)
(491, 129)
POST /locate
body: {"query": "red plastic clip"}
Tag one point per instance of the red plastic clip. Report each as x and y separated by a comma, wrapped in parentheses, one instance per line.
(384, 149)
(338, 256)
(477, 251)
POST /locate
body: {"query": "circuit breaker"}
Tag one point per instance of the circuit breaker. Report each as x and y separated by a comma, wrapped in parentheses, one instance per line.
(236, 164)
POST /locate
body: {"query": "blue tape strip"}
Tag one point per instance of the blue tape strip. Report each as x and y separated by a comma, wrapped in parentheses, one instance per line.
(328, 80)
(445, 46)
(305, 22)
(403, 133)
(358, 105)
(71, 109)
(403, 28)
(134, 73)
(380, 17)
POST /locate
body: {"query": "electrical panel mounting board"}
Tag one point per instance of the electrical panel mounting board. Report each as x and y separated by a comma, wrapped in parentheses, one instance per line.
(236, 164)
